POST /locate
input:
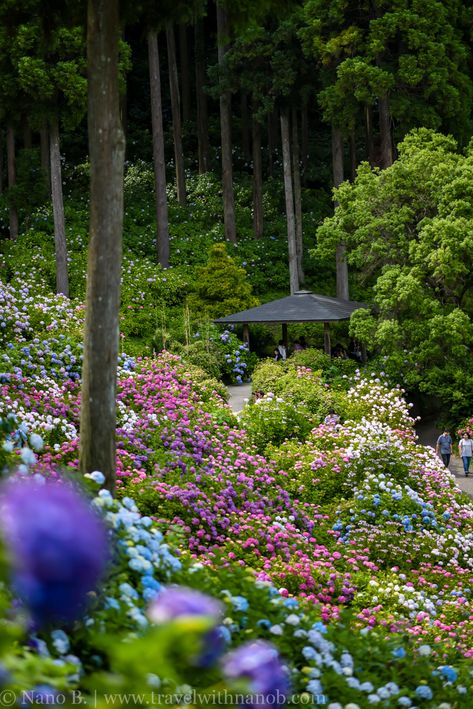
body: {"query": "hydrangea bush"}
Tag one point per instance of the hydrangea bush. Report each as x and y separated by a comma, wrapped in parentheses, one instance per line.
(344, 558)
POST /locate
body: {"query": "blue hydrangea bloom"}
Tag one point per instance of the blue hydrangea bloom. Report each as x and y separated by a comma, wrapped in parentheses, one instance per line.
(58, 545)
(259, 663)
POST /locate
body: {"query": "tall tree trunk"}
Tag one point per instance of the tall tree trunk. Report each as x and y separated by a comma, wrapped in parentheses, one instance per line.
(289, 195)
(176, 115)
(369, 135)
(272, 141)
(257, 180)
(245, 126)
(226, 133)
(304, 139)
(159, 160)
(386, 147)
(201, 98)
(60, 246)
(44, 149)
(11, 171)
(296, 172)
(185, 74)
(353, 156)
(340, 255)
(107, 153)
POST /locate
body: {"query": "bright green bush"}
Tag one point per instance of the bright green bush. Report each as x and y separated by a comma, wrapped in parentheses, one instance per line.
(273, 420)
(221, 287)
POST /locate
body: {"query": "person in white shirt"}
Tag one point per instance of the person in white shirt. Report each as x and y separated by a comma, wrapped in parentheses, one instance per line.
(280, 352)
(466, 450)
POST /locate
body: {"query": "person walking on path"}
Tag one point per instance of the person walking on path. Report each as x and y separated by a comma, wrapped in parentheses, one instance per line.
(444, 447)
(466, 450)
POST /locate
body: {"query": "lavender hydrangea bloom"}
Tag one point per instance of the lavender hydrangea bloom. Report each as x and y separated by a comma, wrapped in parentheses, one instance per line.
(260, 664)
(58, 547)
(178, 602)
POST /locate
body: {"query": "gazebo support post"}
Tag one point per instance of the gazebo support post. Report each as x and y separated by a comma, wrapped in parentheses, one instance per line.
(284, 334)
(246, 334)
(327, 345)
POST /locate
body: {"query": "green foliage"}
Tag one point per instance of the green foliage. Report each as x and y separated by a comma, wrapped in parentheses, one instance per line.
(221, 287)
(409, 229)
(415, 53)
(272, 420)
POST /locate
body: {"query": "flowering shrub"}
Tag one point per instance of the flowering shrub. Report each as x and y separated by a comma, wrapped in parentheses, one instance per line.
(271, 419)
(346, 545)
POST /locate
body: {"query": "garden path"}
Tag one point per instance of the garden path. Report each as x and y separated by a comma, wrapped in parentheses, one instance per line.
(238, 396)
(428, 433)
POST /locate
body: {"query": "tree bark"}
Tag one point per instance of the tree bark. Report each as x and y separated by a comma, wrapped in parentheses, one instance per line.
(289, 195)
(353, 156)
(185, 74)
(159, 161)
(44, 149)
(11, 171)
(340, 255)
(107, 153)
(272, 141)
(386, 147)
(201, 98)
(60, 245)
(304, 139)
(296, 172)
(369, 135)
(257, 180)
(176, 115)
(245, 126)
(226, 133)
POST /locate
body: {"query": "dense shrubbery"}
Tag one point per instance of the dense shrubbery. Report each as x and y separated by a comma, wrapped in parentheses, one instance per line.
(319, 520)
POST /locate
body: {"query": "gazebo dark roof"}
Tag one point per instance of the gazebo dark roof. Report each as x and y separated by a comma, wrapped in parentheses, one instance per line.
(302, 306)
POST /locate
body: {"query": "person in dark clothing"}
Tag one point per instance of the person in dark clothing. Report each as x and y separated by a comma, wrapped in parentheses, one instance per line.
(444, 447)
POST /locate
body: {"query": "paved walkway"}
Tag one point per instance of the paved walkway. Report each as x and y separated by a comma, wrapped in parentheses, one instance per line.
(428, 433)
(239, 396)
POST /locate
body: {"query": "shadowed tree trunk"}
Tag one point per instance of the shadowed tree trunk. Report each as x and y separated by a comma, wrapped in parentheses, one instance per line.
(176, 115)
(386, 147)
(159, 161)
(353, 156)
(369, 135)
(185, 78)
(226, 133)
(257, 180)
(201, 98)
(289, 195)
(245, 126)
(60, 246)
(340, 256)
(11, 171)
(304, 138)
(272, 141)
(44, 150)
(107, 153)
(296, 173)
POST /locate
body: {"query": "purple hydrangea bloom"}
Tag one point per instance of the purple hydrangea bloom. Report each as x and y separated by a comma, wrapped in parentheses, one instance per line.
(178, 602)
(58, 547)
(260, 664)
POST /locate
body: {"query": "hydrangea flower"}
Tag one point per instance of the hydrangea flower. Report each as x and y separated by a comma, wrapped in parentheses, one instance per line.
(175, 602)
(259, 663)
(58, 547)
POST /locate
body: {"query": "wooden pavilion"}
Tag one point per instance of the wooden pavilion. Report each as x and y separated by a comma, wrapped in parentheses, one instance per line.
(302, 306)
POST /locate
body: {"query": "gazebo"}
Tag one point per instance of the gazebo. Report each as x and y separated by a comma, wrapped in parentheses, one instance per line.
(302, 306)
